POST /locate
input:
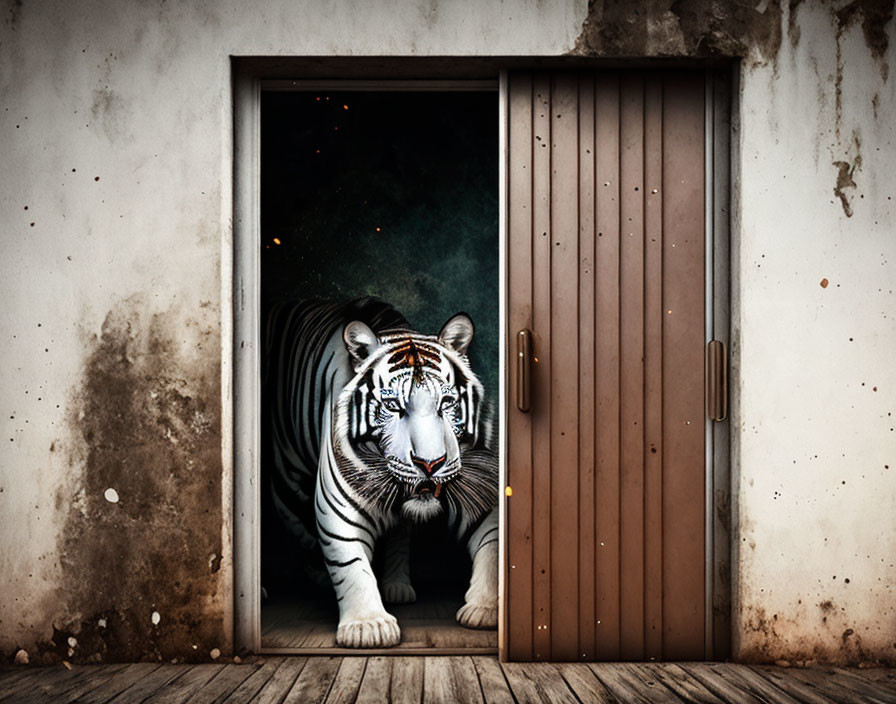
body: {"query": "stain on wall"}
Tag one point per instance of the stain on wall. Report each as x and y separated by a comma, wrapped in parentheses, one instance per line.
(846, 183)
(874, 16)
(141, 549)
(698, 28)
(833, 638)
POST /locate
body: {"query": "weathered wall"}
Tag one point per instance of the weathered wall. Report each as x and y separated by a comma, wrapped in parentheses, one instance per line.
(115, 202)
(817, 265)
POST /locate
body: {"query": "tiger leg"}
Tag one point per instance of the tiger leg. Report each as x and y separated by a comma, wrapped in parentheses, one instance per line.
(347, 537)
(395, 584)
(480, 609)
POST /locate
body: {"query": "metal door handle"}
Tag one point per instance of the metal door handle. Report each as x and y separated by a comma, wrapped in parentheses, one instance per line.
(523, 369)
(716, 381)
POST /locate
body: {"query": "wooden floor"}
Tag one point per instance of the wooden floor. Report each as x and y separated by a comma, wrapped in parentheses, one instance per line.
(443, 679)
(429, 624)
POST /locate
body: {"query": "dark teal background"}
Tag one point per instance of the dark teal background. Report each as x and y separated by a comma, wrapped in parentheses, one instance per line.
(420, 166)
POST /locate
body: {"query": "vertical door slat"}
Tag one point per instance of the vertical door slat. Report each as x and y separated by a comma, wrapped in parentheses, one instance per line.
(683, 374)
(519, 311)
(653, 369)
(564, 243)
(607, 366)
(631, 386)
(586, 368)
(541, 377)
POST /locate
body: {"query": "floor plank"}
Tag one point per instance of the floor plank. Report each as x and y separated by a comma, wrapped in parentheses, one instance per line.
(875, 675)
(92, 676)
(630, 684)
(803, 691)
(314, 683)
(716, 679)
(377, 681)
(450, 679)
(50, 685)
(842, 688)
(348, 681)
(274, 690)
(751, 681)
(118, 683)
(534, 682)
(151, 683)
(584, 683)
(252, 685)
(495, 689)
(686, 687)
(184, 686)
(407, 680)
(14, 680)
(218, 689)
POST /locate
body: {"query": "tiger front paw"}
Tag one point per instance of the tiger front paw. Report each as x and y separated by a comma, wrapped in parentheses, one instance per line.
(398, 593)
(478, 615)
(374, 632)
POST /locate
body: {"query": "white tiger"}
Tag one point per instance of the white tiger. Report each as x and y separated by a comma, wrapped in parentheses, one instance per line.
(392, 421)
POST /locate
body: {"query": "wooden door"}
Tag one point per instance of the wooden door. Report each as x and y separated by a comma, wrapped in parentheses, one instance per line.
(605, 525)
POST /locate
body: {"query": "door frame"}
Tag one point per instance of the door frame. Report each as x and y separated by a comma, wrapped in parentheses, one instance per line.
(246, 348)
(241, 283)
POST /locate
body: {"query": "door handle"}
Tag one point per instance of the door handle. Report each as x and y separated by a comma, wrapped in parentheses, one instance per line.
(523, 370)
(716, 381)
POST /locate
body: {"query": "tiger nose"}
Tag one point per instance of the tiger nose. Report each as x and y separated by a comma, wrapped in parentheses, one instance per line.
(429, 467)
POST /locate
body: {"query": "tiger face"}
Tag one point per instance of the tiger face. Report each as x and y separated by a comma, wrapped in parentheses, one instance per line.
(413, 408)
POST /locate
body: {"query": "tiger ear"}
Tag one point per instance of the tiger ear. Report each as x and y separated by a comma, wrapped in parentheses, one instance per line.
(457, 333)
(360, 341)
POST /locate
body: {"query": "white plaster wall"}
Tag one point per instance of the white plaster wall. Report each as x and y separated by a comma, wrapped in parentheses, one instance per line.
(816, 486)
(138, 95)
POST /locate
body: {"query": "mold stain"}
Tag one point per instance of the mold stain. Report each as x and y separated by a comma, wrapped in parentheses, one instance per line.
(148, 417)
(109, 110)
(12, 17)
(875, 15)
(698, 28)
(846, 183)
(779, 636)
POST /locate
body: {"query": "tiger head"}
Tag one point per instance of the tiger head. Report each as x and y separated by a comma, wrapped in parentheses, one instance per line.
(407, 416)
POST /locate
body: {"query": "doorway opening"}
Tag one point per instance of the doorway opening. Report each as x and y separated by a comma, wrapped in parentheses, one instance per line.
(393, 194)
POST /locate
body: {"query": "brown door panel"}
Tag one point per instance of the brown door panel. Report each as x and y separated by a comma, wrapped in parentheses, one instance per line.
(605, 557)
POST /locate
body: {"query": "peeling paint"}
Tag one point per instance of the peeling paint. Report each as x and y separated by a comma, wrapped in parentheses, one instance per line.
(137, 583)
